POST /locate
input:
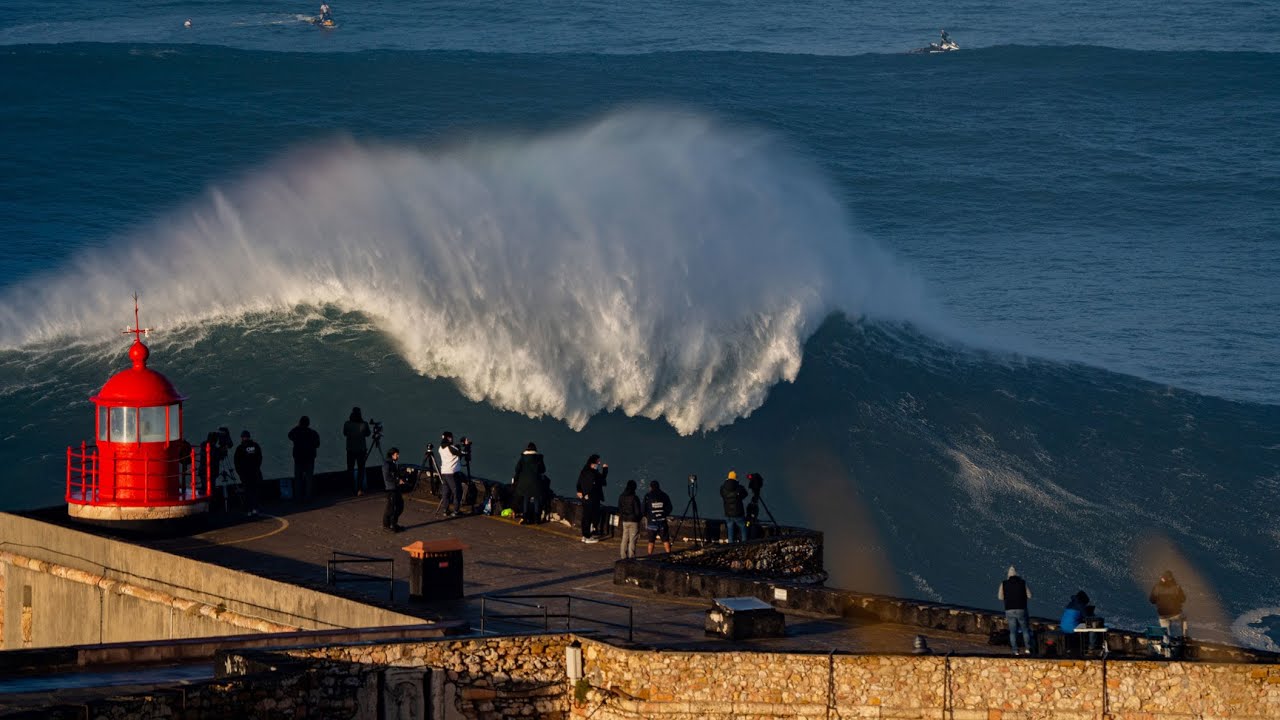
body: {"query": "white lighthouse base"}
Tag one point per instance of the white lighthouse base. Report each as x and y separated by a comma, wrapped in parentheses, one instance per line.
(122, 513)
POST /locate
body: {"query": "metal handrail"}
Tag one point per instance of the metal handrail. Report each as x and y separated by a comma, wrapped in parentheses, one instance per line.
(547, 615)
(331, 576)
(84, 478)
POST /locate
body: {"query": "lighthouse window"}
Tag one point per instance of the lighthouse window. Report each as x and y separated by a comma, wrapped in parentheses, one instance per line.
(151, 421)
(124, 424)
(175, 427)
(103, 425)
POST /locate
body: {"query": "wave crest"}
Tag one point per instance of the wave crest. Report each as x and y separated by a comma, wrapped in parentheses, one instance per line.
(655, 262)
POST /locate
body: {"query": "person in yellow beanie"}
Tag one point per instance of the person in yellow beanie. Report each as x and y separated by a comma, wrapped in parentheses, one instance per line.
(734, 515)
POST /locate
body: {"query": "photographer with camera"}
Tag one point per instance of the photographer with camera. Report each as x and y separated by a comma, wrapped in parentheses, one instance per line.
(395, 485)
(355, 429)
(591, 482)
(451, 459)
(657, 508)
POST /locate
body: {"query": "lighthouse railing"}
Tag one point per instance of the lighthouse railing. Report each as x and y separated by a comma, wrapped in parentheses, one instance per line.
(139, 481)
(82, 474)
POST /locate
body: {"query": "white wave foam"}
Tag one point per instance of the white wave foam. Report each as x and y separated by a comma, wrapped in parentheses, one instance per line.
(655, 262)
(1249, 629)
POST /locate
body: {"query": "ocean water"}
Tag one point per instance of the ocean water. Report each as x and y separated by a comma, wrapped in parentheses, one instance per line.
(1014, 304)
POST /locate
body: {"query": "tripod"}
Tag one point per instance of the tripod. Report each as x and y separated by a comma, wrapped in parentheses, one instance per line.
(227, 482)
(377, 444)
(691, 511)
(758, 500)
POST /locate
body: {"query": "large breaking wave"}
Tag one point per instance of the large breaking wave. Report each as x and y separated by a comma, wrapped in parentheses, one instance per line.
(652, 261)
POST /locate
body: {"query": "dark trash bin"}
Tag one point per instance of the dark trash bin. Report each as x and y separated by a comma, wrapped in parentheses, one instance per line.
(435, 569)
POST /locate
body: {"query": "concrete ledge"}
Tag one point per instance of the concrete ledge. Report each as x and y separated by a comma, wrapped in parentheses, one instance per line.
(53, 660)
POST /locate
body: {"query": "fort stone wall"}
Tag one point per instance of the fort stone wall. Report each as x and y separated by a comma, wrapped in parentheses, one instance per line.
(526, 676)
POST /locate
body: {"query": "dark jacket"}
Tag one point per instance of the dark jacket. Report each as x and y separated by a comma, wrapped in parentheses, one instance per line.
(248, 461)
(629, 508)
(529, 468)
(591, 483)
(356, 431)
(305, 442)
(1014, 593)
(391, 475)
(1168, 598)
(657, 506)
(733, 493)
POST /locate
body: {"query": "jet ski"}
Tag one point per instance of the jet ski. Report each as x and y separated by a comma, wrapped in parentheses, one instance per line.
(941, 46)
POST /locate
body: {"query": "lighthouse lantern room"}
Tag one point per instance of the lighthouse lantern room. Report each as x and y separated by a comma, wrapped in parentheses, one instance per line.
(139, 468)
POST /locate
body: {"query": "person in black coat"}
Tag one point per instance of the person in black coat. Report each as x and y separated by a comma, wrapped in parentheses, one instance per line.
(630, 513)
(395, 486)
(527, 478)
(657, 508)
(1168, 598)
(248, 462)
(305, 443)
(591, 482)
(734, 515)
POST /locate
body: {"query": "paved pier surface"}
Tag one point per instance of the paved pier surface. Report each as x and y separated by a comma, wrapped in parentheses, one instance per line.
(293, 541)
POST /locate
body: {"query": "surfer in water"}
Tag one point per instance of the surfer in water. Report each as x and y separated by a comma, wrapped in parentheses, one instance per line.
(326, 15)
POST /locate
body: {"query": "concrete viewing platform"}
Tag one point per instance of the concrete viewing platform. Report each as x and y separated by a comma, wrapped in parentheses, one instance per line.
(312, 605)
(294, 542)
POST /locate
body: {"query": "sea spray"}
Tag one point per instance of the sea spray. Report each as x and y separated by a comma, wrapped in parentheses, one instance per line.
(652, 261)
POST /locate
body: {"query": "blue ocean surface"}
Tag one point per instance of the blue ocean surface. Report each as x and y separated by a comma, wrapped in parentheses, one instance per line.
(1015, 304)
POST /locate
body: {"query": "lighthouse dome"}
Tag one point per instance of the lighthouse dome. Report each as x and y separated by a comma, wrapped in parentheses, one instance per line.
(139, 386)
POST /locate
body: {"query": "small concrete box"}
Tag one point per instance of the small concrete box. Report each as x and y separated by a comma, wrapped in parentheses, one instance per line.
(742, 618)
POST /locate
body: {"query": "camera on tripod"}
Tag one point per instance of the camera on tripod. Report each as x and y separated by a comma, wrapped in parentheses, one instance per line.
(693, 485)
(376, 429)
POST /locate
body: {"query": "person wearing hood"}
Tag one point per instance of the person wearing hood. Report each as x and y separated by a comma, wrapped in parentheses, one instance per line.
(630, 512)
(734, 516)
(1015, 594)
(1168, 598)
(527, 478)
(591, 482)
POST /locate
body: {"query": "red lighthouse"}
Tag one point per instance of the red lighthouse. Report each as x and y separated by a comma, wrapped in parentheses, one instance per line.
(140, 468)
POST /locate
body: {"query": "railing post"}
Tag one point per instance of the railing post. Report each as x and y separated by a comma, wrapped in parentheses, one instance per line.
(68, 497)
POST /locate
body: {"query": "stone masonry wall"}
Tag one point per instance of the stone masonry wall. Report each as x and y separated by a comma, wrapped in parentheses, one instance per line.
(493, 677)
(524, 676)
(685, 686)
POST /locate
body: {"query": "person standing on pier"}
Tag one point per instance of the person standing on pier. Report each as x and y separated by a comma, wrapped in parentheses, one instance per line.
(1168, 598)
(734, 515)
(451, 459)
(394, 485)
(530, 469)
(356, 430)
(248, 462)
(591, 482)
(657, 508)
(305, 443)
(630, 512)
(1015, 594)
